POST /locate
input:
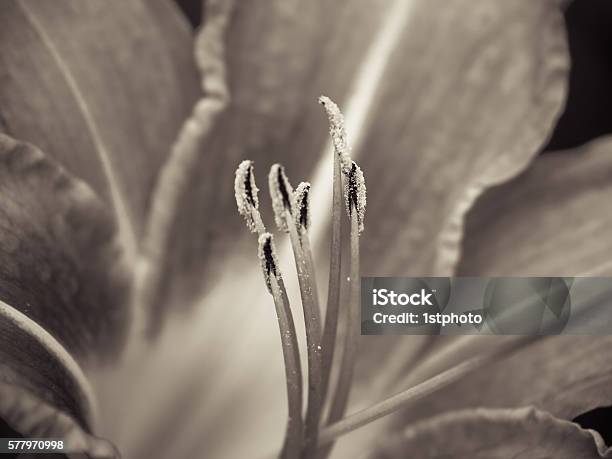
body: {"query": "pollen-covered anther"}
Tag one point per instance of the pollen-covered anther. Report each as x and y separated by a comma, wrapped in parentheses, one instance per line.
(337, 132)
(301, 206)
(268, 259)
(355, 193)
(246, 194)
(280, 191)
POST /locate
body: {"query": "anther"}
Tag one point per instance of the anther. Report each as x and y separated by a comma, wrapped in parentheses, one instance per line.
(337, 132)
(301, 206)
(247, 199)
(268, 260)
(355, 193)
(280, 191)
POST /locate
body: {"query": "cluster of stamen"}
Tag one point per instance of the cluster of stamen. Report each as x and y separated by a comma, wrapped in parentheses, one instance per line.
(313, 435)
(292, 215)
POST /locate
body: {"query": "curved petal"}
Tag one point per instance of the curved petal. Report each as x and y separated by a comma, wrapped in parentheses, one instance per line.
(471, 108)
(29, 417)
(61, 264)
(551, 220)
(483, 85)
(32, 360)
(564, 375)
(491, 434)
(548, 221)
(102, 87)
(522, 228)
(43, 392)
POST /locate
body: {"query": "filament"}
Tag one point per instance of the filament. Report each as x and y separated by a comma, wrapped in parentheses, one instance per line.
(330, 329)
(293, 374)
(292, 215)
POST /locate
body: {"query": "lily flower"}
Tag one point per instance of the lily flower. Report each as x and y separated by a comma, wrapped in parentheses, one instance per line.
(134, 318)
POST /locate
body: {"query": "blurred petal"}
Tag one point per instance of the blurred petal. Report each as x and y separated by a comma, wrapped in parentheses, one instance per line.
(563, 375)
(551, 220)
(43, 393)
(482, 84)
(61, 264)
(439, 139)
(554, 219)
(33, 361)
(102, 87)
(491, 434)
(29, 417)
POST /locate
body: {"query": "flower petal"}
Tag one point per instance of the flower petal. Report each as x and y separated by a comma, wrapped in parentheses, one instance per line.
(43, 392)
(472, 108)
(551, 220)
(484, 84)
(32, 360)
(102, 87)
(26, 416)
(61, 264)
(490, 434)
(548, 221)
(564, 375)
(483, 94)
(521, 228)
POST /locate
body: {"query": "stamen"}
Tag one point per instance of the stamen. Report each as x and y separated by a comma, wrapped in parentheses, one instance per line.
(280, 191)
(345, 375)
(301, 204)
(355, 200)
(330, 330)
(312, 315)
(337, 132)
(247, 200)
(293, 373)
(355, 194)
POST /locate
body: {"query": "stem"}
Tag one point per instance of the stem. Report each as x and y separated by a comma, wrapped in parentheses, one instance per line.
(330, 330)
(312, 321)
(403, 399)
(293, 374)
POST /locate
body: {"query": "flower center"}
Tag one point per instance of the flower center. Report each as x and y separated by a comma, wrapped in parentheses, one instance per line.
(292, 215)
(313, 434)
